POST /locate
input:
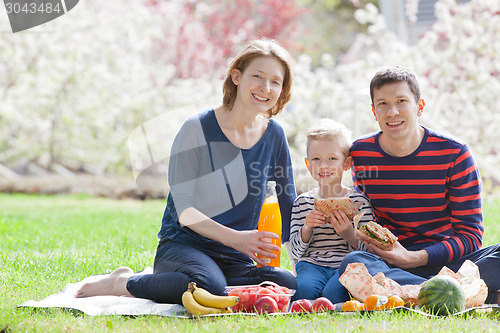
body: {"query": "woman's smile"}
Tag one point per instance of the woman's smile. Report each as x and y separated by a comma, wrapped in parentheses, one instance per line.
(260, 98)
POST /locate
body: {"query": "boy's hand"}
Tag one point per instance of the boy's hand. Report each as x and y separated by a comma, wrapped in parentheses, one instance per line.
(313, 219)
(341, 223)
(344, 228)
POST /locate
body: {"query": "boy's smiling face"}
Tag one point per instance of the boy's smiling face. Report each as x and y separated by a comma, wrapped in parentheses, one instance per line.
(326, 162)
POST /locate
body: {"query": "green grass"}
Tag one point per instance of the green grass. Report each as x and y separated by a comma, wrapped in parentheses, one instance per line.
(47, 242)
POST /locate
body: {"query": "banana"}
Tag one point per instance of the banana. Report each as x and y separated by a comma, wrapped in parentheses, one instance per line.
(227, 310)
(205, 298)
(195, 308)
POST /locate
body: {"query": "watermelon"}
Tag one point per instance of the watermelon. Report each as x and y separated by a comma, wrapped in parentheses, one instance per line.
(441, 295)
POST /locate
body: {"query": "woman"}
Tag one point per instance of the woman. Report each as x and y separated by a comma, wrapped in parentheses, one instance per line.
(220, 163)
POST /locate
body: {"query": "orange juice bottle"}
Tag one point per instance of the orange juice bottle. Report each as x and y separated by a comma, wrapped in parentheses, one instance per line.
(270, 220)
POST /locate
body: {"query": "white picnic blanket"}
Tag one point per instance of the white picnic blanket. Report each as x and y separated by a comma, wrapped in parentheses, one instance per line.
(107, 305)
(131, 306)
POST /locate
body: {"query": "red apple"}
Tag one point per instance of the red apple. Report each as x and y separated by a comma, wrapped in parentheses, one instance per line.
(322, 304)
(266, 304)
(302, 305)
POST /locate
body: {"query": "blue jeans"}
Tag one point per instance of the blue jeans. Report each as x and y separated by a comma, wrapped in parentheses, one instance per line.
(178, 264)
(314, 281)
(487, 259)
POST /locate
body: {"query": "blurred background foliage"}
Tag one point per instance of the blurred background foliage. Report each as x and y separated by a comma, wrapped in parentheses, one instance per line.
(329, 27)
(73, 90)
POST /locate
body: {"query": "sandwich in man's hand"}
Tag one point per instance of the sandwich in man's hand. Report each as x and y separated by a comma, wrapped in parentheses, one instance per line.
(378, 235)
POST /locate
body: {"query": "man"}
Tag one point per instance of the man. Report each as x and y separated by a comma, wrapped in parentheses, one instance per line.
(424, 186)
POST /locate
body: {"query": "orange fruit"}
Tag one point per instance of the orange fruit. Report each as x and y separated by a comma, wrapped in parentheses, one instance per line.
(375, 302)
(352, 305)
(394, 301)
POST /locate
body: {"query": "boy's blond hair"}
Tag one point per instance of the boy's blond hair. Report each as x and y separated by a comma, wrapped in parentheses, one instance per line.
(328, 129)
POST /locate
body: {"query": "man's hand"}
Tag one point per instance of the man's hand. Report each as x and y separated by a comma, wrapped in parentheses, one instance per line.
(399, 256)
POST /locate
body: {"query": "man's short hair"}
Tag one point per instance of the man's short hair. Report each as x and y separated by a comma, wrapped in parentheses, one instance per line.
(328, 129)
(395, 74)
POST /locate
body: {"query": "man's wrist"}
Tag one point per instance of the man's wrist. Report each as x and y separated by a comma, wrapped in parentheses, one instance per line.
(421, 258)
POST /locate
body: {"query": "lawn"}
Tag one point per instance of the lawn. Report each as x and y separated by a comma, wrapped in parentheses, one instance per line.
(49, 241)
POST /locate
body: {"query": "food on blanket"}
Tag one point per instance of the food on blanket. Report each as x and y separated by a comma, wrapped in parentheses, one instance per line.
(322, 304)
(302, 305)
(394, 301)
(199, 302)
(206, 298)
(410, 302)
(195, 308)
(226, 310)
(379, 236)
(375, 302)
(250, 295)
(361, 284)
(329, 205)
(441, 295)
(266, 304)
(468, 276)
(352, 305)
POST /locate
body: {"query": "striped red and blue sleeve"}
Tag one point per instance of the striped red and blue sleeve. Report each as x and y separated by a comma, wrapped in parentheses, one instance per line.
(465, 208)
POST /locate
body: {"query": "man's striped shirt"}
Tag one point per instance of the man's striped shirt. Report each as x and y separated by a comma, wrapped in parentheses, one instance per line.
(430, 199)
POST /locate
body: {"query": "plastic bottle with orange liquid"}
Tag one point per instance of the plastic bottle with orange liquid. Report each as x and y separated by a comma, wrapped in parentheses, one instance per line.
(270, 220)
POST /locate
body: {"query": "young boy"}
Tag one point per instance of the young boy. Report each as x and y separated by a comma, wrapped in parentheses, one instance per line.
(319, 246)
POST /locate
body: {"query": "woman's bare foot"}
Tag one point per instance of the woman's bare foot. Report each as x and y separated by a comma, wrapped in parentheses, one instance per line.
(113, 284)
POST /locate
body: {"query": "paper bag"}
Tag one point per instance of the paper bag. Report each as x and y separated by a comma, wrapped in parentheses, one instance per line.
(475, 288)
(359, 282)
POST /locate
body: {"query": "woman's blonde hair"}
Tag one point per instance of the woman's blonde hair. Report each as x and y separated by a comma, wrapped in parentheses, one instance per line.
(260, 48)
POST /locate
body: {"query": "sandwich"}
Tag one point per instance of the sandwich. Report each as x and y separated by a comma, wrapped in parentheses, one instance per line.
(378, 235)
(329, 205)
